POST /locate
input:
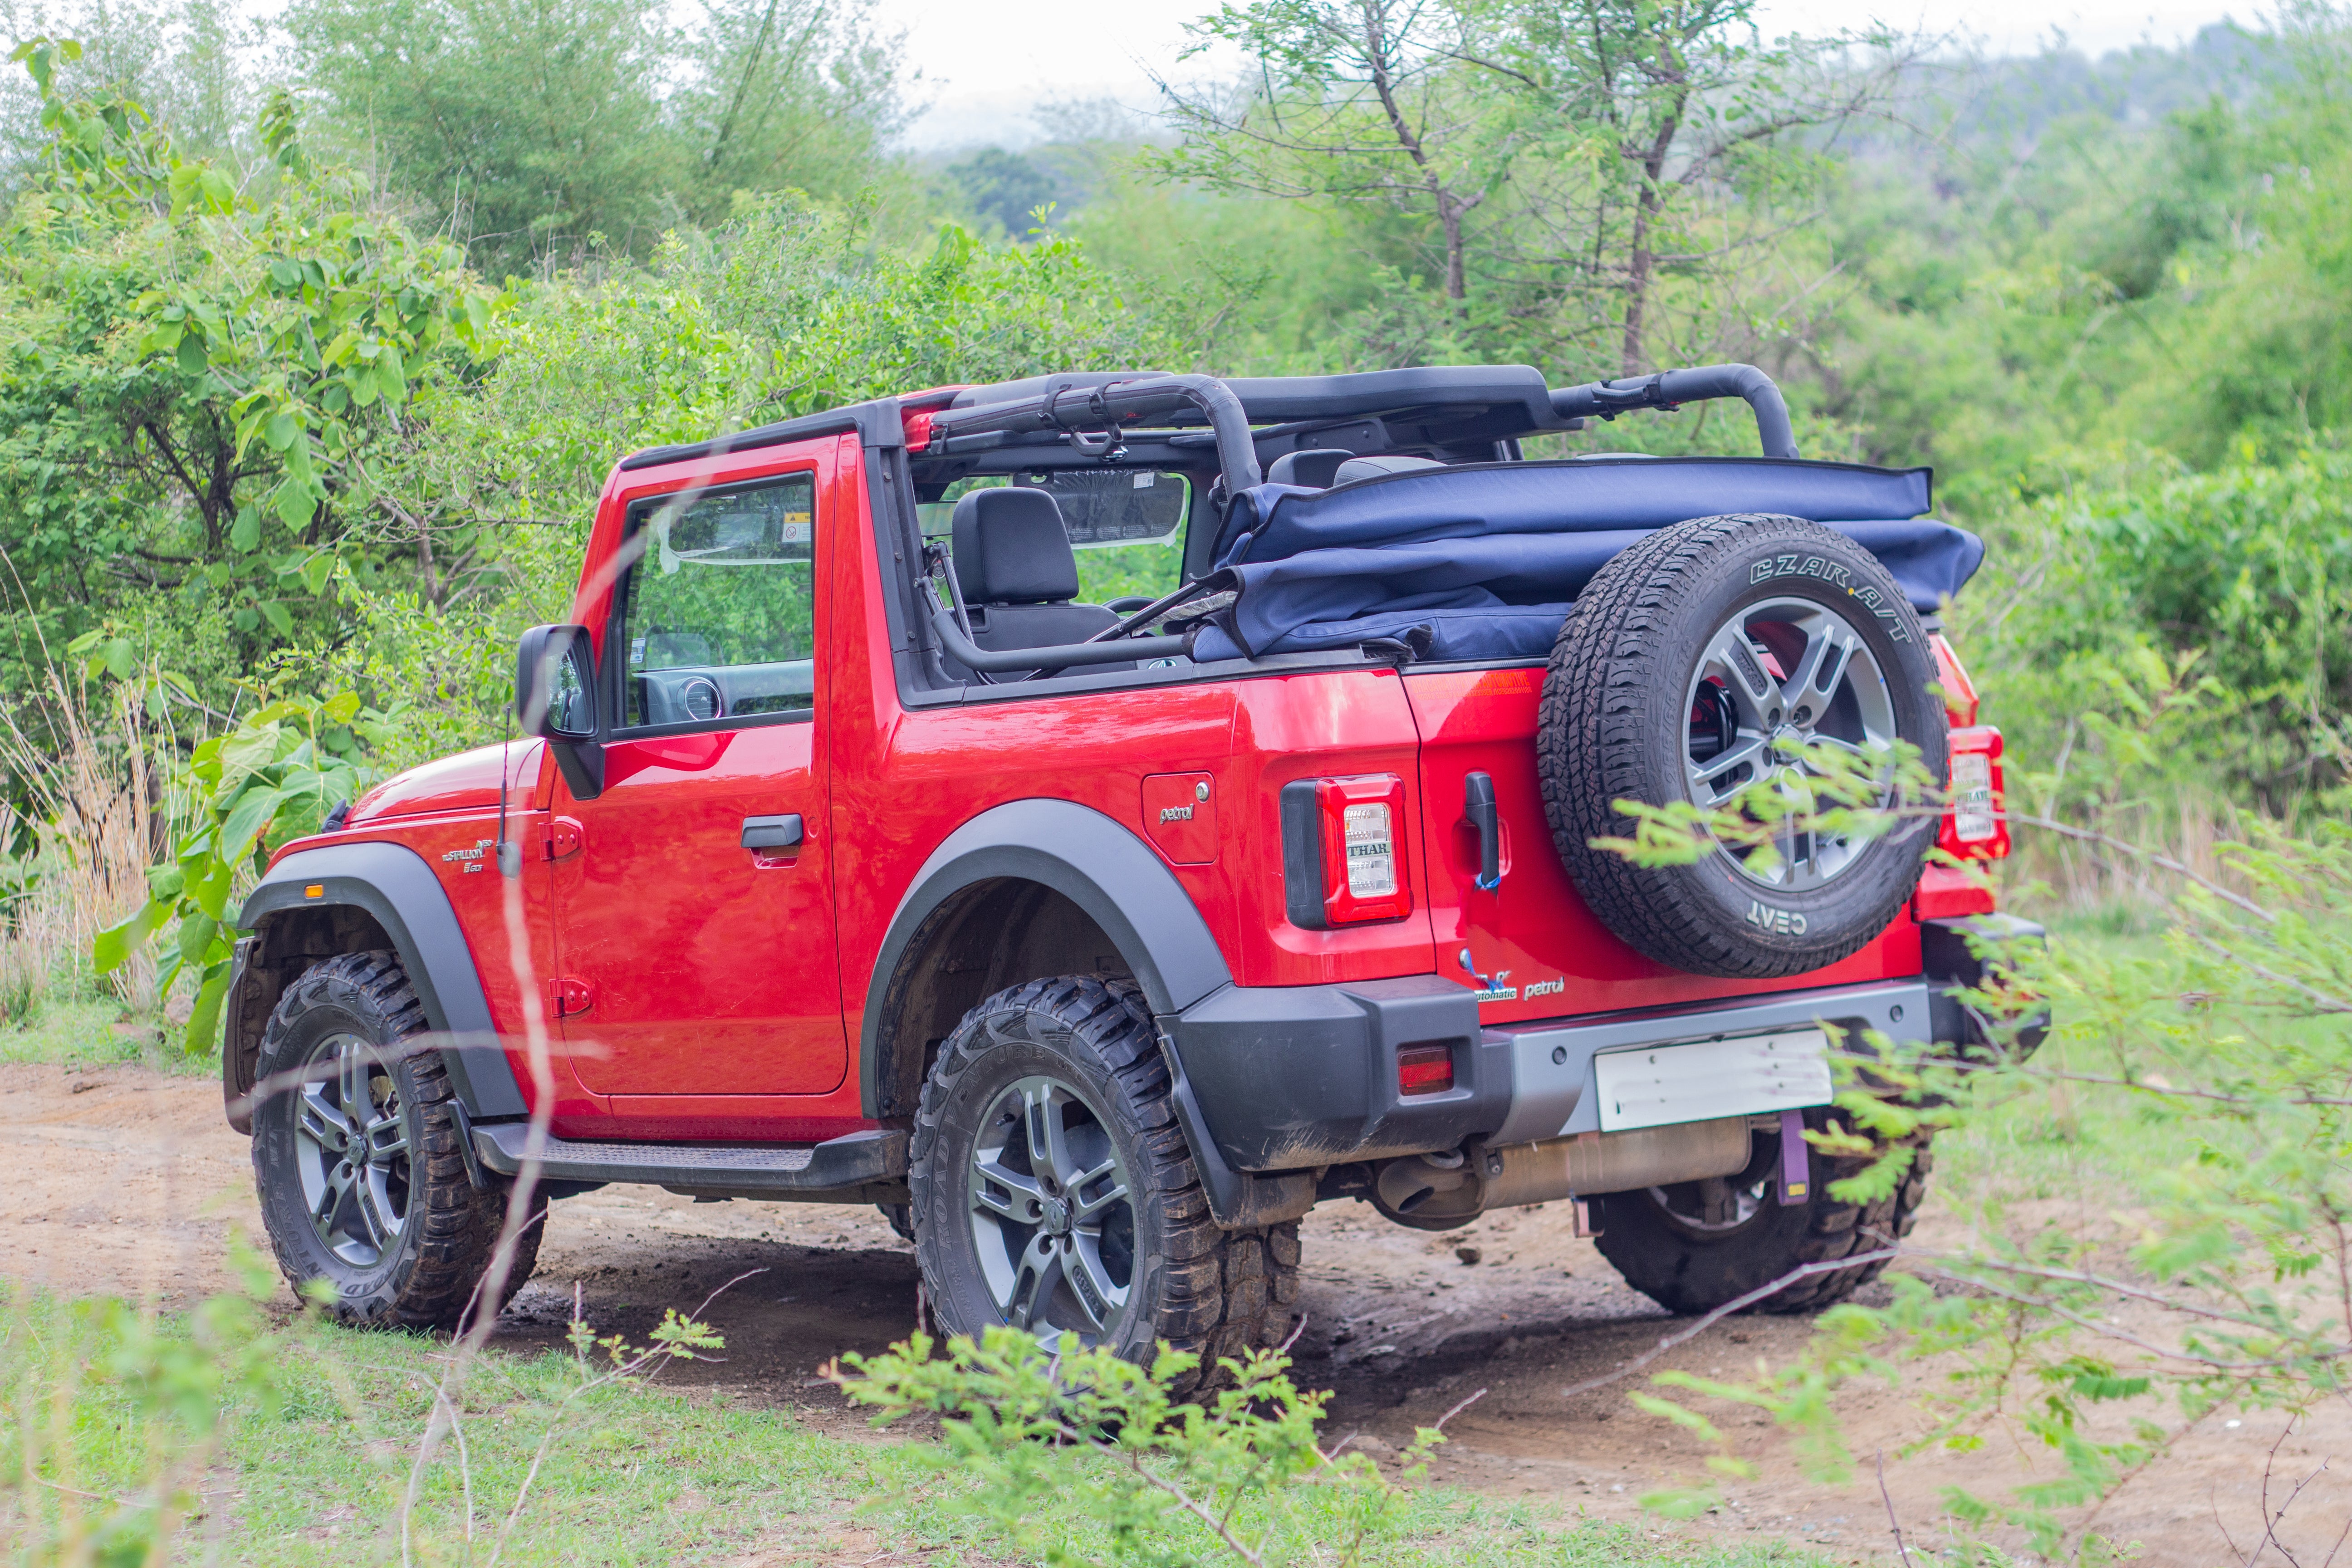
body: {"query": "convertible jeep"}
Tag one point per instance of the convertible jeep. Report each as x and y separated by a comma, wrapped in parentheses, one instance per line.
(867, 854)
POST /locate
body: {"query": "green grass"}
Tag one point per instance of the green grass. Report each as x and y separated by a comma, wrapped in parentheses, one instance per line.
(301, 1439)
(97, 1032)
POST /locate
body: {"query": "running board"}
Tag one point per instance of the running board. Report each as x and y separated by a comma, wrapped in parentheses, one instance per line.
(843, 1170)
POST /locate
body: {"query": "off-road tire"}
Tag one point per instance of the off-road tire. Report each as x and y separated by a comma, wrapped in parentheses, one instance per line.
(1614, 724)
(428, 1278)
(1688, 1270)
(1219, 1293)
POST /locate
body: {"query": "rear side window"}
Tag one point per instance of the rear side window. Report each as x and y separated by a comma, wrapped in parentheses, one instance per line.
(718, 616)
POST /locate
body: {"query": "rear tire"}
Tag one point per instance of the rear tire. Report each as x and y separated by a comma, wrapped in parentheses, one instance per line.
(1054, 1190)
(1662, 1240)
(361, 1179)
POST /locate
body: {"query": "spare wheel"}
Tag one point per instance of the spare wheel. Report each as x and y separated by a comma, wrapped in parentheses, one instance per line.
(1708, 656)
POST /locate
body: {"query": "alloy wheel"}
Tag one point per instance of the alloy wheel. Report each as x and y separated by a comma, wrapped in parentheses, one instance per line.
(1052, 1212)
(350, 1138)
(1779, 682)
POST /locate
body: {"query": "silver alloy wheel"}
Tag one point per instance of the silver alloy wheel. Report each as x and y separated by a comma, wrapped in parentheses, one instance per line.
(351, 1143)
(1053, 1212)
(1746, 723)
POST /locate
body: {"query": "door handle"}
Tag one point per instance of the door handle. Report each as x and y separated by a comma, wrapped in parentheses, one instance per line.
(773, 832)
(1479, 810)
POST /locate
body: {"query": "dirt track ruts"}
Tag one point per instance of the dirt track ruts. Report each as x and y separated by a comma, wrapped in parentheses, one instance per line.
(125, 1181)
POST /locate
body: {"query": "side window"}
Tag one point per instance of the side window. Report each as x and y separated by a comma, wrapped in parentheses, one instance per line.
(718, 613)
(1126, 525)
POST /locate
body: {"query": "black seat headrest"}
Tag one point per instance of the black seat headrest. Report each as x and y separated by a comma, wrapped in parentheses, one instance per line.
(1012, 549)
(1312, 468)
(1355, 468)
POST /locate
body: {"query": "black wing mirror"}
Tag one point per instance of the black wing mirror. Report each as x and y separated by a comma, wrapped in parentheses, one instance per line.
(555, 698)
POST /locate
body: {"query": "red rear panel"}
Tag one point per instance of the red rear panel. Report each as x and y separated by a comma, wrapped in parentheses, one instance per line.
(1533, 936)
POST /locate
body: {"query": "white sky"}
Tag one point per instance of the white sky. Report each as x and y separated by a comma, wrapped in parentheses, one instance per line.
(986, 60)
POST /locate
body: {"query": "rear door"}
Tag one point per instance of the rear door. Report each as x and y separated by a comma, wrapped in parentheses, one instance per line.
(1530, 941)
(694, 896)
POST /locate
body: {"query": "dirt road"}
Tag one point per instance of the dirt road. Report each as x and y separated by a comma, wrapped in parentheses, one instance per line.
(126, 1181)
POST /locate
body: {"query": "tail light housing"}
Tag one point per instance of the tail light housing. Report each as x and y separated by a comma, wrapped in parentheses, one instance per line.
(1952, 677)
(1343, 851)
(1975, 825)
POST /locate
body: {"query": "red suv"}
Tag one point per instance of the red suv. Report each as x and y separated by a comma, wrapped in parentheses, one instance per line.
(863, 859)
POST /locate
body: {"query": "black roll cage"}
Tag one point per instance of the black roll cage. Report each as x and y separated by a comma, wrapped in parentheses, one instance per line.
(1148, 418)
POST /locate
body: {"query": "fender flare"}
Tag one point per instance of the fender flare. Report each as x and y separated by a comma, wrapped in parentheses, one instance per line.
(1095, 862)
(396, 887)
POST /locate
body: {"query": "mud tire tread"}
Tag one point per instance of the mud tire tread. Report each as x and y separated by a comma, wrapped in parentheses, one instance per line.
(460, 1225)
(1600, 700)
(1222, 1293)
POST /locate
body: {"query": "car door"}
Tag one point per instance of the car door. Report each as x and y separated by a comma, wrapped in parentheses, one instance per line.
(694, 895)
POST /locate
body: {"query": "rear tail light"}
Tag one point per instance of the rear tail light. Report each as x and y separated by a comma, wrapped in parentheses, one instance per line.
(1975, 827)
(1343, 851)
(1425, 1070)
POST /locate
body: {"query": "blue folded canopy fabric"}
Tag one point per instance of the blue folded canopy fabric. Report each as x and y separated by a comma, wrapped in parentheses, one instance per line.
(1488, 558)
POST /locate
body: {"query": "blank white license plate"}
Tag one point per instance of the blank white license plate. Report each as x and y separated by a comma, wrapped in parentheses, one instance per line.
(1665, 1084)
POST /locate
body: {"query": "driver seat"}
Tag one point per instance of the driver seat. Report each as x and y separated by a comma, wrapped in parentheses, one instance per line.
(1018, 574)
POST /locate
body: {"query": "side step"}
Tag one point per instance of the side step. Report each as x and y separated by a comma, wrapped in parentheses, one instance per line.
(858, 1167)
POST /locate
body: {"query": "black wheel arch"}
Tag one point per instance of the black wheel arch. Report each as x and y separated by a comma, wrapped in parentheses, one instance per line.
(369, 895)
(1055, 865)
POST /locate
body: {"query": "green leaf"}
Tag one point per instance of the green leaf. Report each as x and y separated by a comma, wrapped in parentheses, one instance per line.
(251, 813)
(196, 932)
(115, 944)
(209, 890)
(191, 355)
(121, 658)
(204, 1023)
(245, 533)
(340, 708)
(279, 620)
(279, 431)
(294, 504)
(316, 570)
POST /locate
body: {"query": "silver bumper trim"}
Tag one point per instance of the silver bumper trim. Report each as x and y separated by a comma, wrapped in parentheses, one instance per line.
(1552, 1079)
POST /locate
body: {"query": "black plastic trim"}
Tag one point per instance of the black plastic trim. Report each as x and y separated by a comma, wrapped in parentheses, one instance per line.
(1095, 862)
(1302, 856)
(1298, 1077)
(876, 424)
(393, 884)
(1955, 955)
(853, 1161)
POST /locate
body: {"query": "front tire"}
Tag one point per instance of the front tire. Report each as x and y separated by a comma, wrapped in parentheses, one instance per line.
(357, 1162)
(1693, 1247)
(1053, 1191)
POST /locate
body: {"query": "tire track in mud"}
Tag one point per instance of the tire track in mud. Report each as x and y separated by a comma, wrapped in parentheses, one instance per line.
(126, 1181)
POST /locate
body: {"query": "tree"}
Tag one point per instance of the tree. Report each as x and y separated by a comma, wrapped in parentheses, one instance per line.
(530, 130)
(204, 405)
(1574, 164)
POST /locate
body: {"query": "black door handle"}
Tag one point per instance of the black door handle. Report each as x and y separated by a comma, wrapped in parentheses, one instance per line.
(773, 832)
(1479, 807)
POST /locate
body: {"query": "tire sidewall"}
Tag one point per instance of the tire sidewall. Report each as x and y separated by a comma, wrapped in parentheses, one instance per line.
(368, 1294)
(1801, 561)
(989, 1052)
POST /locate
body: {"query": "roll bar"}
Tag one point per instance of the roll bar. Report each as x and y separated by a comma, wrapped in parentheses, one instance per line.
(1672, 388)
(1077, 409)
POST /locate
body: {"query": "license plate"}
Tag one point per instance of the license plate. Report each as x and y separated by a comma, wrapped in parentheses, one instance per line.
(1660, 1085)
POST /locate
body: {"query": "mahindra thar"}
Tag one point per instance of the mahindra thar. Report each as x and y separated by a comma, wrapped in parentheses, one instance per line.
(862, 860)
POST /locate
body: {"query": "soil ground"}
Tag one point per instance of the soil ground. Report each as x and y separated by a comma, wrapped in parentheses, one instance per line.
(125, 1181)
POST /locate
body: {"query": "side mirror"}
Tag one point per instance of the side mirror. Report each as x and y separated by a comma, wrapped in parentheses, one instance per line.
(555, 698)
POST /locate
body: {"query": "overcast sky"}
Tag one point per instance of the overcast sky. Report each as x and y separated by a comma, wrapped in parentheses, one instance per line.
(986, 60)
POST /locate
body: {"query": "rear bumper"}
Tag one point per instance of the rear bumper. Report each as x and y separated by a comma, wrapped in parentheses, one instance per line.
(1298, 1077)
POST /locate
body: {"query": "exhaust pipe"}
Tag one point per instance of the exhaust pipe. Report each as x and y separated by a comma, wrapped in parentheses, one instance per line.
(1440, 1191)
